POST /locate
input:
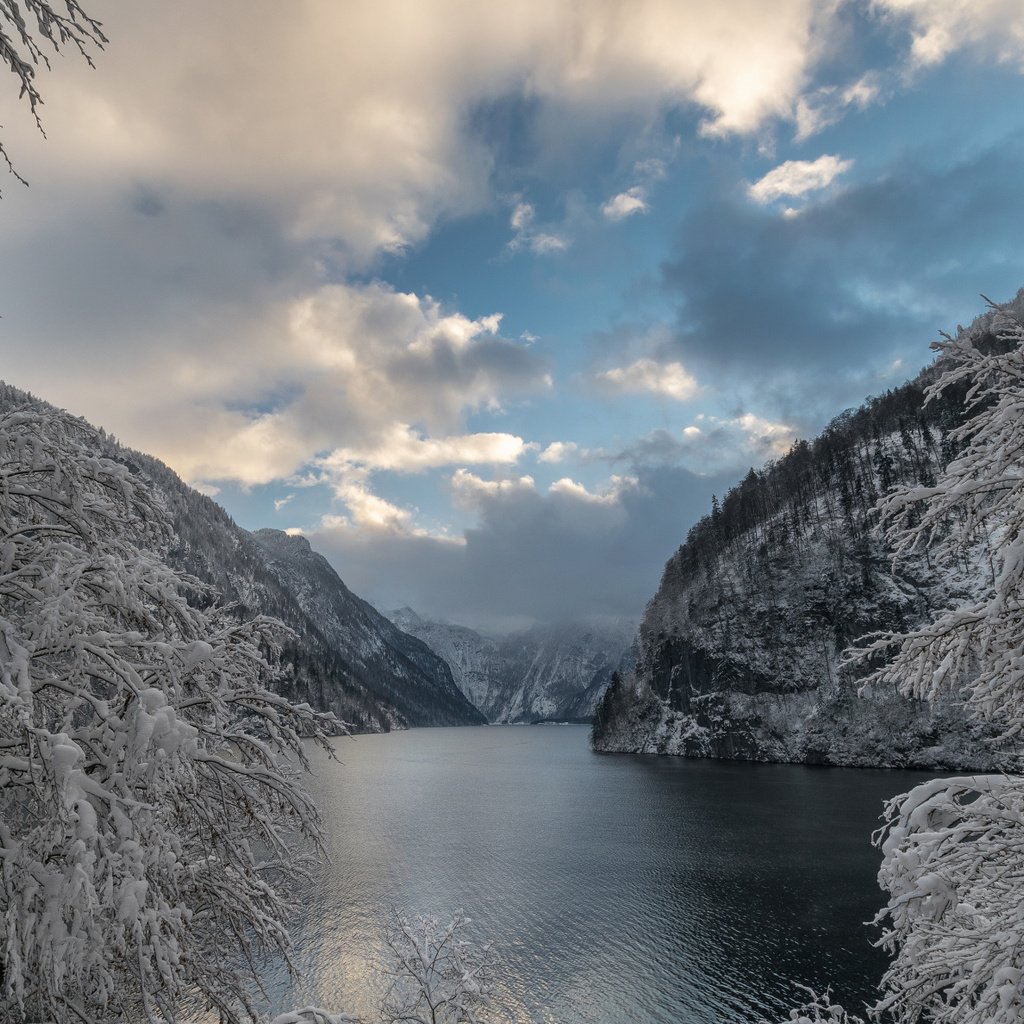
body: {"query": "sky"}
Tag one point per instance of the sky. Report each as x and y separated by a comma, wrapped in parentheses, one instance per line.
(487, 300)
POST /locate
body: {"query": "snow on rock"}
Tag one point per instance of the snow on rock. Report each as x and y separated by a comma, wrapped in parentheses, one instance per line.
(545, 673)
(743, 651)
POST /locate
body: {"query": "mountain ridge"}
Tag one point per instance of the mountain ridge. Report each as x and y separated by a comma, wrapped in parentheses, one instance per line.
(545, 673)
(373, 677)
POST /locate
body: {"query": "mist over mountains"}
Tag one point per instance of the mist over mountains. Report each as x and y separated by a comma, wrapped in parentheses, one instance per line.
(552, 672)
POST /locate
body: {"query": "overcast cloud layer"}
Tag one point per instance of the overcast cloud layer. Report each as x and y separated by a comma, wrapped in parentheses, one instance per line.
(488, 299)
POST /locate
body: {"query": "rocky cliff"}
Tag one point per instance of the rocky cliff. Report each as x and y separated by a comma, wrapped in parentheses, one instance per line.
(740, 652)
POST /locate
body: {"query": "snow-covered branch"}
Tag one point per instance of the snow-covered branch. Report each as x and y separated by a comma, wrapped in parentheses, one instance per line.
(437, 976)
(151, 816)
(972, 518)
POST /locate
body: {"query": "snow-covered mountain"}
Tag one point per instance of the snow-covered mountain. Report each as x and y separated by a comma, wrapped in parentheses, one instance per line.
(546, 673)
(347, 657)
(740, 650)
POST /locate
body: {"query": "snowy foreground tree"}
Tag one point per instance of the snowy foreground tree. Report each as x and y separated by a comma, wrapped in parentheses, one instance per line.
(151, 816)
(437, 976)
(954, 848)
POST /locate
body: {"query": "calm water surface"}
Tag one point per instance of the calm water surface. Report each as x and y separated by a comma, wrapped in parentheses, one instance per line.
(615, 888)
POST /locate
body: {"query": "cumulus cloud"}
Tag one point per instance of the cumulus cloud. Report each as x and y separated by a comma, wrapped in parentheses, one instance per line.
(471, 491)
(384, 377)
(349, 123)
(671, 380)
(533, 554)
(796, 178)
(558, 451)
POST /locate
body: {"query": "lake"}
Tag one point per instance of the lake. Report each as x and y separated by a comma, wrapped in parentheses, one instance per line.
(614, 888)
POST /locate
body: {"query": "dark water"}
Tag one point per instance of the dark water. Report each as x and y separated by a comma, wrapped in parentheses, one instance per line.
(615, 888)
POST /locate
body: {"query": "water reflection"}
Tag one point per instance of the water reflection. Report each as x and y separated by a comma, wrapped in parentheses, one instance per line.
(616, 889)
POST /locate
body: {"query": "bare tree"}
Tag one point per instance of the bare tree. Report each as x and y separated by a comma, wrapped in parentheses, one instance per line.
(437, 976)
(29, 29)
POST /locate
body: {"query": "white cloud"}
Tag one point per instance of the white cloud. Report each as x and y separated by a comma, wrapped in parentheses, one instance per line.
(625, 204)
(822, 107)
(527, 236)
(469, 490)
(402, 449)
(941, 27)
(279, 503)
(611, 495)
(798, 177)
(646, 375)
(558, 451)
(349, 121)
(253, 396)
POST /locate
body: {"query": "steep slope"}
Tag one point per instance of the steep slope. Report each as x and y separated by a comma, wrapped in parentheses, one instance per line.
(398, 669)
(740, 650)
(549, 673)
(346, 657)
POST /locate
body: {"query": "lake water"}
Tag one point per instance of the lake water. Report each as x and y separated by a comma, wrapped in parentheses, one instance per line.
(614, 888)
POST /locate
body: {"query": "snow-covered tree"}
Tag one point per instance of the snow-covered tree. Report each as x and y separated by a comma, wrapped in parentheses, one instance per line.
(954, 848)
(31, 28)
(437, 975)
(151, 813)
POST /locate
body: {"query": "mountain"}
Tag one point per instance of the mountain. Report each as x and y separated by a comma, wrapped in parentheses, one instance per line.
(546, 673)
(346, 657)
(740, 650)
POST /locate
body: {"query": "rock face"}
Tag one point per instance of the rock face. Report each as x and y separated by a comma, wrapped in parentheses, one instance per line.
(347, 657)
(549, 673)
(740, 653)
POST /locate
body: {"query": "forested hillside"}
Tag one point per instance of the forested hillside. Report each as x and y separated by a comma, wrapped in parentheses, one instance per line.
(345, 656)
(741, 649)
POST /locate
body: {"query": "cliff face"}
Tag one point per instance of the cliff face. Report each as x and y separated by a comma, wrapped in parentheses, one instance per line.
(549, 673)
(740, 650)
(398, 670)
(346, 657)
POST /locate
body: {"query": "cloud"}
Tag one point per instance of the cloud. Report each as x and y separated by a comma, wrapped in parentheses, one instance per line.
(527, 236)
(558, 451)
(793, 316)
(471, 491)
(826, 105)
(625, 204)
(611, 495)
(648, 376)
(565, 553)
(713, 444)
(940, 27)
(349, 123)
(402, 449)
(253, 392)
(797, 178)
